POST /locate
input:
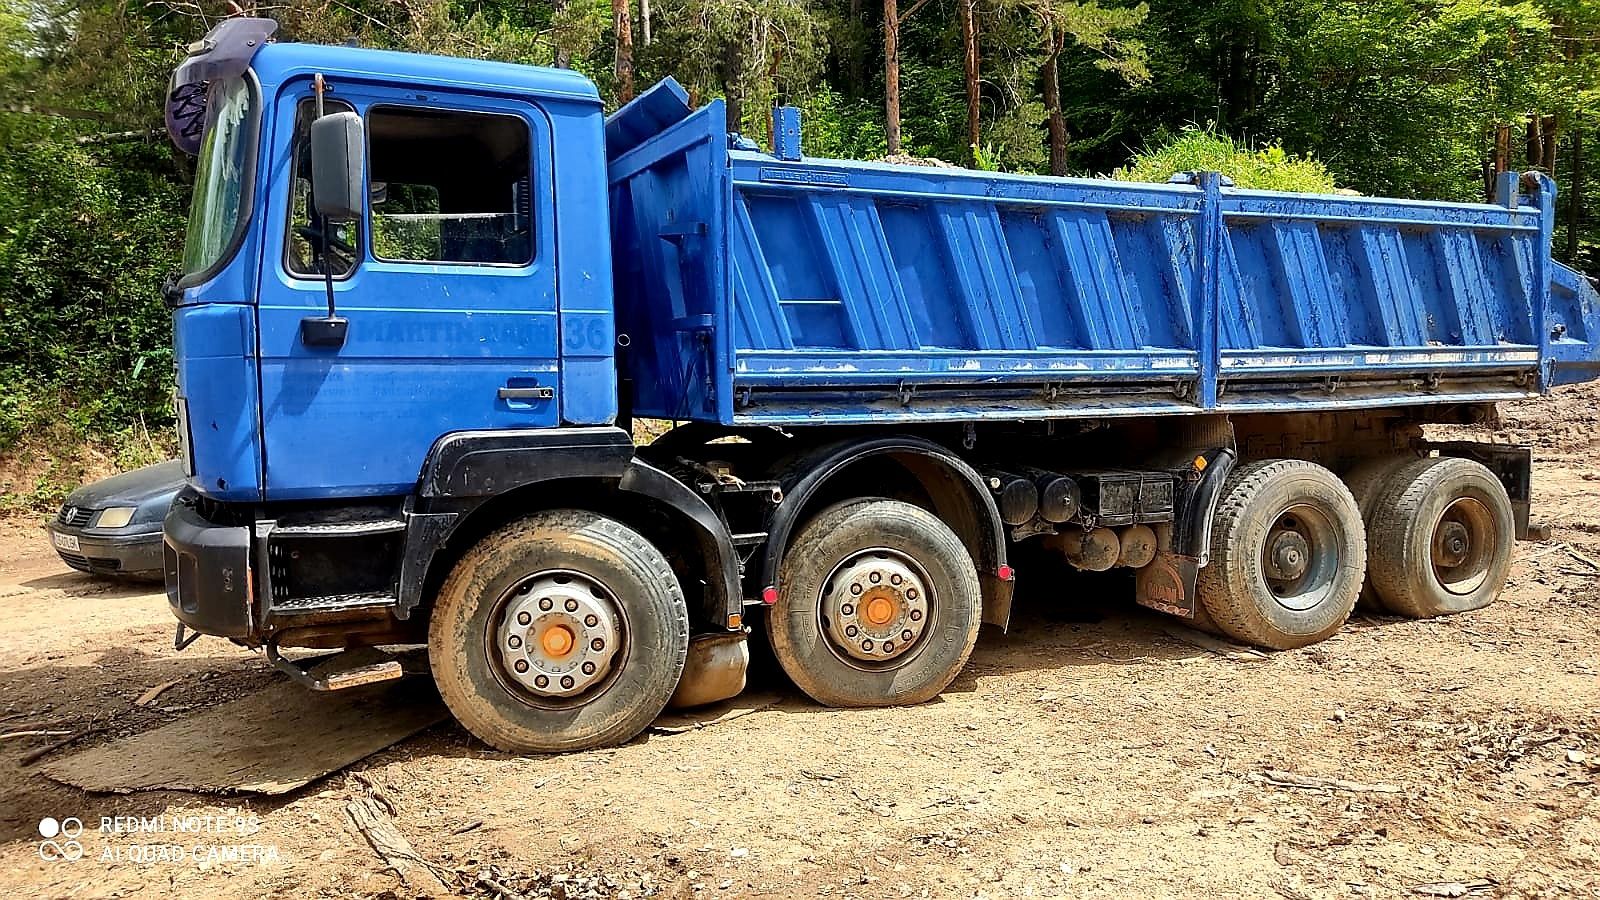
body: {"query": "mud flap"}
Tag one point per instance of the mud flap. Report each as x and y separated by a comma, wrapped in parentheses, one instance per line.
(1167, 584)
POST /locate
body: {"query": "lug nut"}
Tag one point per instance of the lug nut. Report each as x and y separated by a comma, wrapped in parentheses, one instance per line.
(566, 682)
(541, 681)
(906, 635)
(851, 631)
(855, 589)
(895, 578)
(588, 668)
(591, 620)
(514, 642)
(597, 644)
(545, 604)
(888, 646)
(867, 646)
(911, 593)
(523, 618)
(521, 665)
(875, 577)
(916, 615)
(572, 605)
(848, 609)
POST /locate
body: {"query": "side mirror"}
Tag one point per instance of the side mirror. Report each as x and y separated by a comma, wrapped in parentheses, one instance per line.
(338, 162)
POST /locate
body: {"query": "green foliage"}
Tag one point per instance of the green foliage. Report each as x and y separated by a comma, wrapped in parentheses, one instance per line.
(1195, 150)
(840, 127)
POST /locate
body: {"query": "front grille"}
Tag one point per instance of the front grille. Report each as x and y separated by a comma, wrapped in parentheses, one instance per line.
(90, 563)
(75, 516)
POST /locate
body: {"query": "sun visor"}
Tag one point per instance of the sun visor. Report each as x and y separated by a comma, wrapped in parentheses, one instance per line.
(225, 52)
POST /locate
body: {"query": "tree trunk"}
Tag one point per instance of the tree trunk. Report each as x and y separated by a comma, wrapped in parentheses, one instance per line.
(644, 21)
(891, 75)
(1547, 134)
(1575, 196)
(563, 56)
(1052, 103)
(622, 24)
(1534, 149)
(858, 50)
(969, 44)
(733, 83)
(1502, 149)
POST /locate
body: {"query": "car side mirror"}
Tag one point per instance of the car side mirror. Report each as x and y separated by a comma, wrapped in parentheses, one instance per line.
(338, 162)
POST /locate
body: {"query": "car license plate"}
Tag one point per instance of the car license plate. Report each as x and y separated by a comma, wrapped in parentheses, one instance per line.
(68, 542)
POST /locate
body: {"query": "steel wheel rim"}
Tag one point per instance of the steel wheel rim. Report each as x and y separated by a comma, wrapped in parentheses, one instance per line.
(884, 623)
(1300, 557)
(1463, 569)
(530, 656)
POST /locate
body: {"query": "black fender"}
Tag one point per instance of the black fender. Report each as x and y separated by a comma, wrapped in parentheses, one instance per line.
(465, 470)
(724, 603)
(488, 463)
(928, 462)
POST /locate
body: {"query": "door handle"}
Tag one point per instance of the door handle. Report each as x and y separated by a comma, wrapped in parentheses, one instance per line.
(527, 393)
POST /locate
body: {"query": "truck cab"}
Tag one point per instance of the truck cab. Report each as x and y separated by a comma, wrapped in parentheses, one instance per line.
(350, 388)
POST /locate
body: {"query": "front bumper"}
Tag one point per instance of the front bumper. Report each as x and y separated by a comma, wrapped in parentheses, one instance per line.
(135, 556)
(209, 583)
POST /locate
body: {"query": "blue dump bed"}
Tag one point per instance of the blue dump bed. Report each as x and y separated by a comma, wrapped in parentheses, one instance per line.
(760, 290)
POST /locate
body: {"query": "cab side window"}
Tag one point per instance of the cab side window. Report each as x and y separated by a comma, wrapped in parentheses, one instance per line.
(450, 187)
(303, 256)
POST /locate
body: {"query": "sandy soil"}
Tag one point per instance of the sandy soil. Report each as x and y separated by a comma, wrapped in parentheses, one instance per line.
(1087, 753)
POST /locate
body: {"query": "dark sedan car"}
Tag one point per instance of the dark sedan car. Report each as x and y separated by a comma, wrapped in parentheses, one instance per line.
(113, 526)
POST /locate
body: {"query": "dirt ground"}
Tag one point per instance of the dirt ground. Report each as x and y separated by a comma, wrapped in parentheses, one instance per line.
(1087, 753)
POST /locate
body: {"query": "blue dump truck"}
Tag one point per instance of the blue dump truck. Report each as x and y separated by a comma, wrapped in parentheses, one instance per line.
(424, 300)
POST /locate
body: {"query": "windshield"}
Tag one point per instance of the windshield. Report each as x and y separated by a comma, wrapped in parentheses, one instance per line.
(221, 178)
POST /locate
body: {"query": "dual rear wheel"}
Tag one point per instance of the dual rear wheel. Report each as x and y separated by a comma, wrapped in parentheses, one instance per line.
(1294, 547)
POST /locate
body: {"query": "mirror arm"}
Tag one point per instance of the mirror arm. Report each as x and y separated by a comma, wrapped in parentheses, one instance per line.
(329, 330)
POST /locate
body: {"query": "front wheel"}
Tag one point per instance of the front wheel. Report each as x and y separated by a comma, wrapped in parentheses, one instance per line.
(565, 630)
(878, 605)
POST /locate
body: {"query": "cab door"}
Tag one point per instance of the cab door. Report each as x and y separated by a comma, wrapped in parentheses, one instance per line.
(448, 284)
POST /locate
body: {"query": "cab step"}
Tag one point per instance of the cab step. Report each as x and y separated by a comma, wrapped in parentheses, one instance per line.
(359, 528)
(338, 671)
(305, 606)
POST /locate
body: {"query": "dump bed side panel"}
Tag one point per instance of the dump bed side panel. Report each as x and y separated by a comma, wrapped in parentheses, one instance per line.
(868, 292)
(759, 290)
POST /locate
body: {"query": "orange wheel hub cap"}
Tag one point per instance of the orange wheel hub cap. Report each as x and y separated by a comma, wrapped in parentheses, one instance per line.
(557, 640)
(880, 610)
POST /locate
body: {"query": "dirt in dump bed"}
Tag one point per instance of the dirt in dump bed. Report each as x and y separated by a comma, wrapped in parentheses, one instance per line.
(1087, 753)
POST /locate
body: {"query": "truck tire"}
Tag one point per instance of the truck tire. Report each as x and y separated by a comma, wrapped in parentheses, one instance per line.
(1441, 538)
(1366, 481)
(878, 605)
(1288, 554)
(564, 630)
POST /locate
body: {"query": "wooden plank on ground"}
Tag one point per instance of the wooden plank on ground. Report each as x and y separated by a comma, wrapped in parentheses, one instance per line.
(271, 742)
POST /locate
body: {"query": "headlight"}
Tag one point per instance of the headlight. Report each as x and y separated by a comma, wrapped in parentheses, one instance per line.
(115, 516)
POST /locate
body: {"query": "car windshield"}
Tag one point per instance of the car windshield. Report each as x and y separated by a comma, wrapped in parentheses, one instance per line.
(221, 177)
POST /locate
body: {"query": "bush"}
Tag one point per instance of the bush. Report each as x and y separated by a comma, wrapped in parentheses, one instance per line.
(86, 236)
(1270, 168)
